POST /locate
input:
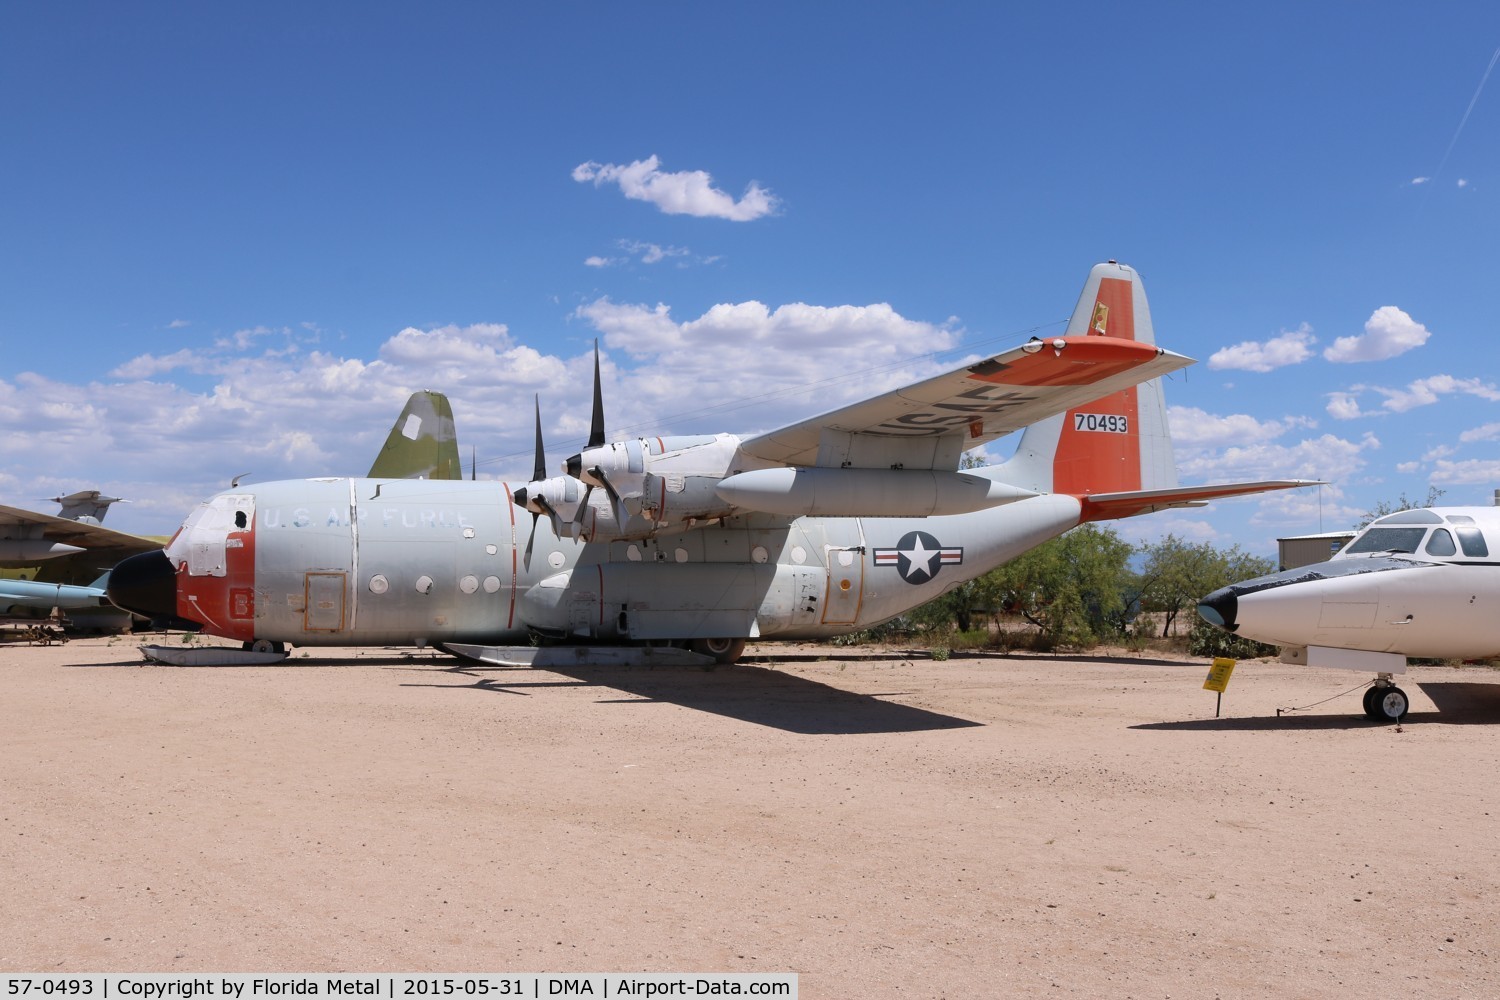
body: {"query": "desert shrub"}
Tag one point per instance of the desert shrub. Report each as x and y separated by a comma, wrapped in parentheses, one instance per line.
(1208, 640)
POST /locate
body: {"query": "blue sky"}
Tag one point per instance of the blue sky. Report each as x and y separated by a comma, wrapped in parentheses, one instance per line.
(235, 238)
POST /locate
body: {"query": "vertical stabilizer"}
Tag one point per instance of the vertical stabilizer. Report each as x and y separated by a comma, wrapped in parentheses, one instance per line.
(1119, 443)
(423, 444)
(86, 506)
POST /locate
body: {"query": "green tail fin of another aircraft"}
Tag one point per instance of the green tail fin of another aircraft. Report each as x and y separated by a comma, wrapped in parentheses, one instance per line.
(423, 443)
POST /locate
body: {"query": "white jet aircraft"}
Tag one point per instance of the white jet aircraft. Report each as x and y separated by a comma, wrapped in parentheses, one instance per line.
(1417, 583)
(819, 528)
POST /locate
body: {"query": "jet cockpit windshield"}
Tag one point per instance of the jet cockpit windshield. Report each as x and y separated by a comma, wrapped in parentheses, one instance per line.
(1424, 532)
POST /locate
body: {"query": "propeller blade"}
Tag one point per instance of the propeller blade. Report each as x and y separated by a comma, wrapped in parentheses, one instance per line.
(596, 428)
(539, 469)
(530, 540)
(583, 506)
(618, 504)
(552, 515)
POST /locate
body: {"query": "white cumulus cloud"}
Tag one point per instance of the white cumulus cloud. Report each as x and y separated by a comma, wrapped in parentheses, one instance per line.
(1192, 426)
(1289, 348)
(1484, 432)
(1473, 471)
(1426, 391)
(686, 192)
(1344, 405)
(750, 351)
(1388, 332)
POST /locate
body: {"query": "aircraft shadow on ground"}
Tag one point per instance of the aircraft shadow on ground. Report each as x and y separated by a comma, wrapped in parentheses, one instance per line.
(747, 693)
(384, 660)
(1459, 703)
(1014, 656)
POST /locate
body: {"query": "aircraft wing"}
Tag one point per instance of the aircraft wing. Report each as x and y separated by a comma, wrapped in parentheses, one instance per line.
(929, 424)
(17, 525)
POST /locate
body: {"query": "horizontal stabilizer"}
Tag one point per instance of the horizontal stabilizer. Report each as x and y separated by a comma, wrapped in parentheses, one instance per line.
(1110, 506)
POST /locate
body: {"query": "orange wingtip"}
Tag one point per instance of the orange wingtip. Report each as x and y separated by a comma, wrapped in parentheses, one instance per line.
(1069, 361)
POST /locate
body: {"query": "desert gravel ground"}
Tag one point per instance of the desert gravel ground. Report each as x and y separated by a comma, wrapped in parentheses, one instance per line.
(878, 822)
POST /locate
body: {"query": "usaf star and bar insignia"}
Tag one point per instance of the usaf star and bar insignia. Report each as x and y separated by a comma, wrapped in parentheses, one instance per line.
(918, 556)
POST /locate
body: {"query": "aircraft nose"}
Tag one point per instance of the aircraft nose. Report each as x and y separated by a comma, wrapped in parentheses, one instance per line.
(146, 585)
(1220, 608)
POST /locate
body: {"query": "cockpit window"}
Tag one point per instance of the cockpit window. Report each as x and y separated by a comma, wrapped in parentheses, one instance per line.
(1460, 519)
(204, 536)
(1418, 516)
(1472, 540)
(1441, 543)
(1387, 540)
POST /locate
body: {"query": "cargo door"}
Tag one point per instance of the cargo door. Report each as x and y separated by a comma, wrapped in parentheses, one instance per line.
(845, 587)
(323, 607)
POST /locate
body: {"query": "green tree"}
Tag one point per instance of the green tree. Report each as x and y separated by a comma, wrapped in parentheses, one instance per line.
(1177, 574)
(1072, 588)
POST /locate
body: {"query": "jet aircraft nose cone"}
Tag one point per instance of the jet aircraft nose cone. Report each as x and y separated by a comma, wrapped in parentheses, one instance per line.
(574, 466)
(146, 585)
(1220, 608)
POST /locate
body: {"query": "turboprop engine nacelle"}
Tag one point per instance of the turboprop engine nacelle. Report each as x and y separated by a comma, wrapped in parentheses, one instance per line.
(865, 492)
(667, 481)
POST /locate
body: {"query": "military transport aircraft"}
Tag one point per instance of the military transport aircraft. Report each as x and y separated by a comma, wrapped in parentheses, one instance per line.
(1417, 582)
(822, 527)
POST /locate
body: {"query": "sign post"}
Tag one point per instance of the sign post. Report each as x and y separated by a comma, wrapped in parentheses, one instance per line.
(1218, 679)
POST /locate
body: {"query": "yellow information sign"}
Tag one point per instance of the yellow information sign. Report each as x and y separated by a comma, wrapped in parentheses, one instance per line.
(1218, 674)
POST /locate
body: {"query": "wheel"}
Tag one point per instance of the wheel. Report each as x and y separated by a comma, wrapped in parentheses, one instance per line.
(1391, 705)
(722, 650)
(265, 646)
(1372, 713)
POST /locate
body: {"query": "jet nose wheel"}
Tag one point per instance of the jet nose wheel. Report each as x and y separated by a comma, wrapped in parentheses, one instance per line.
(1386, 704)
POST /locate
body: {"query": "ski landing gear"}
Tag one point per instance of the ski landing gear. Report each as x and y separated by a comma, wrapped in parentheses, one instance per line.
(1384, 701)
